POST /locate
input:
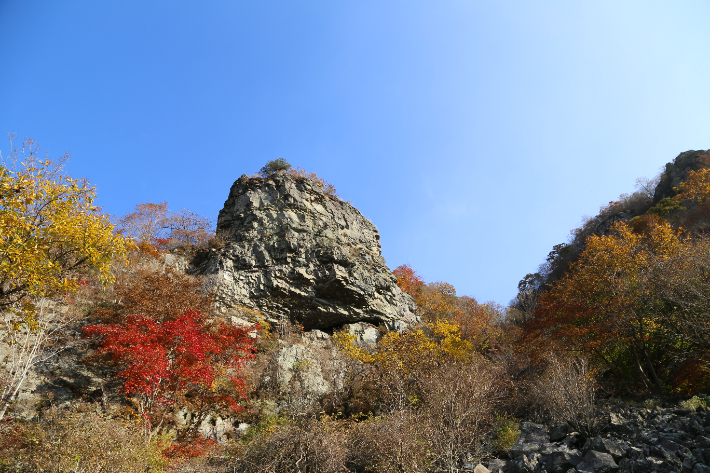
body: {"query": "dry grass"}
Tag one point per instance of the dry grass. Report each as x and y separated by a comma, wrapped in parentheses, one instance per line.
(77, 442)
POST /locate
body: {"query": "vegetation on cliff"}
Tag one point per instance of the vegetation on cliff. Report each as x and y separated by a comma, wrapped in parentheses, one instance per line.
(173, 382)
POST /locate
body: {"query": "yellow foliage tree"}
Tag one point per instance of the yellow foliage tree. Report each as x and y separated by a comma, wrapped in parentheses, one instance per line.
(606, 299)
(50, 233)
(696, 187)
(52, 238)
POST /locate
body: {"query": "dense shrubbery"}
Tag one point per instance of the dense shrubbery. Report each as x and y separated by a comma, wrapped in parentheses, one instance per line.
(627, 302)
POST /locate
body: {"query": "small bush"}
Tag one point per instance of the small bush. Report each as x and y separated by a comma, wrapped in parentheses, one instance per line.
(665, 207)
(695, 402)
(273, 166)
(651, 403)
(217, 243)
(567, 391)
(507, 431)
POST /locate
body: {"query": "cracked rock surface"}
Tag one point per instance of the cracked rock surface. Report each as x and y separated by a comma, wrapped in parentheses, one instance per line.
(295, 253)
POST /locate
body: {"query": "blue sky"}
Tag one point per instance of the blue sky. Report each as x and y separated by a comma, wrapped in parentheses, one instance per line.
(474, 134)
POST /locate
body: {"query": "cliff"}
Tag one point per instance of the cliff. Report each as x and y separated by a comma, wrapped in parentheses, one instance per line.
(298, 254)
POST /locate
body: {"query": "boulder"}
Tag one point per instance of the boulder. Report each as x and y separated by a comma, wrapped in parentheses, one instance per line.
(560, 432)
(597, 462)
(365, 334)
(497, 464)
(605, 446)
(560, 461)
(300, 374)
(533, 437)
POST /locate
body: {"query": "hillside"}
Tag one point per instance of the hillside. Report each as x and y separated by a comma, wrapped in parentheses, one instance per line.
(630, 286)
(280, 341)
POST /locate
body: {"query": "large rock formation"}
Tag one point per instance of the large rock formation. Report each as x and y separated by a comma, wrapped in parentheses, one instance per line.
(677, 171)
(296, 253)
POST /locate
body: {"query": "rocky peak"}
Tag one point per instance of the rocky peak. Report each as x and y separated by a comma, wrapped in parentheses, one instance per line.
(677, 172)
(296, 253)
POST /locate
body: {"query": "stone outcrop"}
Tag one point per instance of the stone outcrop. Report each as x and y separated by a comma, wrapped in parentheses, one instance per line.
(636, 439)
(677, 171)
(296, 253)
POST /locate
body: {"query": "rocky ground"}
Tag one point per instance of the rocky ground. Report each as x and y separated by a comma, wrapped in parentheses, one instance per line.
(634, 439)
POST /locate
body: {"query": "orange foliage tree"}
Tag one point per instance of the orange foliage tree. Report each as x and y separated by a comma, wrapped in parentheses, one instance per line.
(408, 280)
(438, 303)
(605, 301)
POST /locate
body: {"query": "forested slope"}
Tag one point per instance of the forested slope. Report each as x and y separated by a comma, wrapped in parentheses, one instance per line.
(631, 287)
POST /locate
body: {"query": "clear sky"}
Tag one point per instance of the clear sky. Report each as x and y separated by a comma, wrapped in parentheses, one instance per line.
(474, 134)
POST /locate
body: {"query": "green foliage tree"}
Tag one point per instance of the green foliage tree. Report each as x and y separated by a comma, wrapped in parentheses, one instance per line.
(273, 166)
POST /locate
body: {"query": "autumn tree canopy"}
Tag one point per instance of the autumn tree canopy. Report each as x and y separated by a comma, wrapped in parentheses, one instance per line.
(609, 301)
(50, 234)
(439, 306)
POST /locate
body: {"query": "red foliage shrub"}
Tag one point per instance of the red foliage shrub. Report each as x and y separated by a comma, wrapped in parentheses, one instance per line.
(166, 361)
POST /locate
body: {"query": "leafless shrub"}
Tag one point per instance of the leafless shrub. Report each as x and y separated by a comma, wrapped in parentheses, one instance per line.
(395, 443)
(30, 343)
(647, 186)
(567, 391)
(311, 445)
(459, 400)
(155, 224)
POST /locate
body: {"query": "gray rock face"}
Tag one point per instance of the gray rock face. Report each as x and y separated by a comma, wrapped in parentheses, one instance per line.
(296, 253)
(677, 171)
